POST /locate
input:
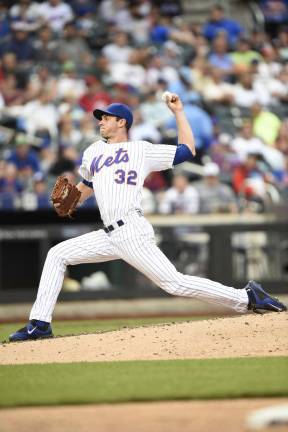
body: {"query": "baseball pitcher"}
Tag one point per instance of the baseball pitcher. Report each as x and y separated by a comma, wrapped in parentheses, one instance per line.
(114, 169)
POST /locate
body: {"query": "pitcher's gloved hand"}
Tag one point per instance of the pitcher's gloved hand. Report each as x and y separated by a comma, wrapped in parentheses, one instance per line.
(65, 197)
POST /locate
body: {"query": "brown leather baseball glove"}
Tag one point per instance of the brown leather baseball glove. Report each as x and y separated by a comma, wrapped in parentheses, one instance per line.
(65, 197)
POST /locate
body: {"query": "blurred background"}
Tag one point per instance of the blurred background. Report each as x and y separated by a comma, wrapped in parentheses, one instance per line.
(224, 216)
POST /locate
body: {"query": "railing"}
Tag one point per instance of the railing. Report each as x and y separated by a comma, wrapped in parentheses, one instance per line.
(228, 248)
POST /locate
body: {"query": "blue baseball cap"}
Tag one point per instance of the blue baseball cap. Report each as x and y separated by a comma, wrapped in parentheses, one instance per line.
(116, 110)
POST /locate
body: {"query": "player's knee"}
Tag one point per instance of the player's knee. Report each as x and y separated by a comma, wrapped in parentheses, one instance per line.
(57, 253)
(171, 285)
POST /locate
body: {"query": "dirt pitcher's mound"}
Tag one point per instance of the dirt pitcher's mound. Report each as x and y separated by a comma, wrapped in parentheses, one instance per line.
(249, 335)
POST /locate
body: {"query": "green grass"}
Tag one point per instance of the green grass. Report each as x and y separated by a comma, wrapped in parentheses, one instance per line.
(92, 326)
(81, 383)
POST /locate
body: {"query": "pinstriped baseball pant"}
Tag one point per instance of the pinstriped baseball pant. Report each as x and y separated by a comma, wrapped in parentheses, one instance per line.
(134, 243)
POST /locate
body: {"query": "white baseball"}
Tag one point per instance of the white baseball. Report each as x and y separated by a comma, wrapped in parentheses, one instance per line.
(166, 96)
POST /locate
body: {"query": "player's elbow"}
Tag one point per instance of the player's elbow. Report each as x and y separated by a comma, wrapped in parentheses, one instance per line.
(183, 154)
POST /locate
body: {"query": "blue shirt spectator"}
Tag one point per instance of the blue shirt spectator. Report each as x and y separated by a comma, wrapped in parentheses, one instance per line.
(83, 7)
(4, 21)
(9, 182)
(160, 33)
(219, 57)
(275, 11)
(23, 157)
(41, 193)
(20, 44)
(219, 61)
(30, 160)
(201, 123)
(219, 23)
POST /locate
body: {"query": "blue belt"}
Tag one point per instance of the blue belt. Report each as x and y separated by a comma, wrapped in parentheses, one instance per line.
(110, 228)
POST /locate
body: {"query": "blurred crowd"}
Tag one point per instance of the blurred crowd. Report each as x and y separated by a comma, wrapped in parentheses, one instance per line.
(61, 60)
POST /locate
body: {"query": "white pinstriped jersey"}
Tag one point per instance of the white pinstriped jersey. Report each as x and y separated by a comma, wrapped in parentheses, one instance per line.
(118, 171)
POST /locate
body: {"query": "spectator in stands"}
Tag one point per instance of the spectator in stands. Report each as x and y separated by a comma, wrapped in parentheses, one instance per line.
(10, 186)
(26, 12)
(41, 113)
(218, 23)
(83, 7)
(45, 46)
(223, 154)
(56, 13)
(157, 69)
(161, 30)
(217, 90)
(72, 47)
(270, 65)
(281, 142)
(143, 130)
(2, 101)
(169, 8)
(219, 57)
(243, 57)
(284, 176)
(172, 53)
(119, 50)
(11, 93)
(65, 162)
(36, 197)
(131, 73)
(88, 132)
(8, 65)
(9, 181)
(275, 14)
(95, 95)
(154, 111)
(140, 23)
(183, 86)
(41, 79)
(20, 43)
(183, 32)
(259, 39)
(214, 196)
(69, 82)
(4, 21)
(246, 143)
(68, 135)
(24, 158)
(40, 192)
(282, 44)
(181, 198)
(102, 70)
(246, 93)
(266, 125)
(250, 181)
(117, 13)
(277, 88)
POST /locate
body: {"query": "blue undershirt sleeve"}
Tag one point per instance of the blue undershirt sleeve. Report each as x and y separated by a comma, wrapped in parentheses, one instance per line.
(183, 153)
(87, 183)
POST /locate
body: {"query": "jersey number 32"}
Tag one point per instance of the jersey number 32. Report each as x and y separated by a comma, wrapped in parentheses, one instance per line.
(123, 177)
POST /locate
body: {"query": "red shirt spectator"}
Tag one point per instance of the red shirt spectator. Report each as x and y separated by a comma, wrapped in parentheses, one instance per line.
(248, 179)
(95, 97)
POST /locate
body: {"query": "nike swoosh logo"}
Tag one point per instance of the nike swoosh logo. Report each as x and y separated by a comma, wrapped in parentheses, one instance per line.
(31, 331)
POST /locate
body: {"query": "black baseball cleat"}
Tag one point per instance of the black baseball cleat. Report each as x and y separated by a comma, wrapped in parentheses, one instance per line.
(32, 331)
(260, 300)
